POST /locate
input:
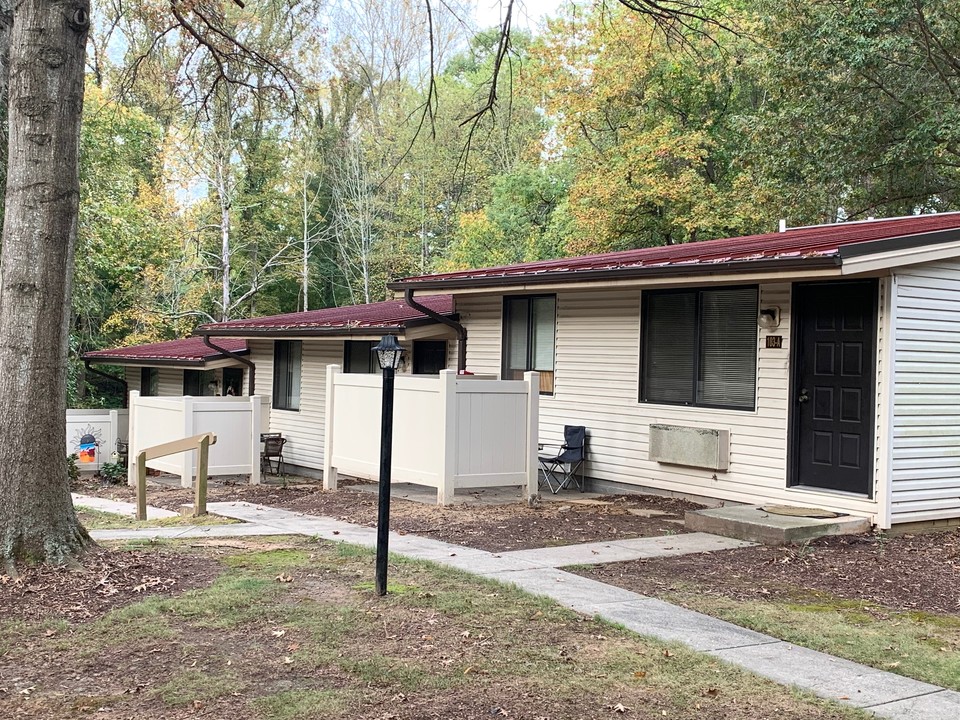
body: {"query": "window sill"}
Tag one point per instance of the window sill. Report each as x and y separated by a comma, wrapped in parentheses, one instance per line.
(736, 412)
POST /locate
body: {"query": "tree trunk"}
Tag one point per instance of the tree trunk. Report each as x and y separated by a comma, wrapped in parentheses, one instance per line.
(47, 44)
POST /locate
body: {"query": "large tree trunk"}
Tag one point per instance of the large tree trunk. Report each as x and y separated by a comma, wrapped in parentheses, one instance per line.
(47, 44)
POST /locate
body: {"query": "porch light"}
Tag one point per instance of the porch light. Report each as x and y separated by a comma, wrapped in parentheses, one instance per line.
(769, 318)
(388, 352)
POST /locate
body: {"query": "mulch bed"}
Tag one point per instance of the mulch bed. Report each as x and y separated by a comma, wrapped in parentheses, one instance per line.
(909, 573)
(494, 528)
(101, 581)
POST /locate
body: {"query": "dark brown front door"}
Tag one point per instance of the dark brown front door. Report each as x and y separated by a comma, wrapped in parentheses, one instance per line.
(832, 398)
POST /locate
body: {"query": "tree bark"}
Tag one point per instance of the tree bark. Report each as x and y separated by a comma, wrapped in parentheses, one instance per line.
(47, 44)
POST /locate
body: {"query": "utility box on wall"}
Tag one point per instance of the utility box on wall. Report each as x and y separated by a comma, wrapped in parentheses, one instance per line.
(691, 446)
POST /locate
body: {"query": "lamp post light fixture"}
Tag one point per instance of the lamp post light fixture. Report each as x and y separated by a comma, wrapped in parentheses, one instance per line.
(388, 353)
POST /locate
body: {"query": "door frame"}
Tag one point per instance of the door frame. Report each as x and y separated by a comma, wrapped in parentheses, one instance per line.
(793, 424)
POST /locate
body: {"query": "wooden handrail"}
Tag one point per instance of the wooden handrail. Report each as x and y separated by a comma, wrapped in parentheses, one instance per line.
(201, 442)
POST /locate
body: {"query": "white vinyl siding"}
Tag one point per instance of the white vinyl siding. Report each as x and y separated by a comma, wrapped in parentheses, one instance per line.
(925, 466)
(169, 380)
(302, 428)
(597, 384)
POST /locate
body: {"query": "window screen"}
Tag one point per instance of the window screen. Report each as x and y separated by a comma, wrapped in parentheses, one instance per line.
(286, 374)
(429, 356)
(700, 347)
(149, 382)
(198, 383)
(529, 337)
(358, 357)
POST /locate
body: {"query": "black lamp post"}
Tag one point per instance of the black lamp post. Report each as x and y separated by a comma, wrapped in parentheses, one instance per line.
(388, 353)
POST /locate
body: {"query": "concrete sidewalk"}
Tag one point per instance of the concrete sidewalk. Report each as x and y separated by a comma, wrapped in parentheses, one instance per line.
(537, 571)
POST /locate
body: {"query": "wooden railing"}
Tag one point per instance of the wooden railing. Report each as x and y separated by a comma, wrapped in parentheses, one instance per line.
(201, 443)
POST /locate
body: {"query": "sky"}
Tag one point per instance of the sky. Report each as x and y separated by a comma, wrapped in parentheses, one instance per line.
(527, 13)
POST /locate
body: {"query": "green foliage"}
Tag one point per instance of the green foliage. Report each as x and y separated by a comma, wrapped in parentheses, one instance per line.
(607, 135)
(113, 472)
(862, 117)
(73, 470)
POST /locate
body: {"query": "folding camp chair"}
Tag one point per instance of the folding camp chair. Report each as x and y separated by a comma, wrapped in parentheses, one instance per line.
(562, 467)
(272, 452)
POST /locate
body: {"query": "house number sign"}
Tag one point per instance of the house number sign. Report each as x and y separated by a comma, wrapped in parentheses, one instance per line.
(775, 341)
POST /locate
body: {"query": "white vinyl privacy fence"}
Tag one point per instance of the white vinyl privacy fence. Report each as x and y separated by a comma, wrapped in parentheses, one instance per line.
(92, 436)
(236, 421)
(450, 432)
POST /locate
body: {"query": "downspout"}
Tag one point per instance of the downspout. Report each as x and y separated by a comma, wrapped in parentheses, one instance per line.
(108, 376)
(251, 380)
(461, 330)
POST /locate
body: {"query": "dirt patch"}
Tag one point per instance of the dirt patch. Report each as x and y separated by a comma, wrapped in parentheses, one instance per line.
(495, 528)
(319, 644)
(103, 580)
(912, 573)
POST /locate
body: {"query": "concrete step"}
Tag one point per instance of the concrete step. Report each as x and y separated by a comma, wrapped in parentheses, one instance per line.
(751, 523)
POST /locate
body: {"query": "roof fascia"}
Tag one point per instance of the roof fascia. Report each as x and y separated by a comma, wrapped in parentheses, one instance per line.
(826, 270)
(354, 332)
(706, 270)
(892, 255)
(147, 362)
(288, 333)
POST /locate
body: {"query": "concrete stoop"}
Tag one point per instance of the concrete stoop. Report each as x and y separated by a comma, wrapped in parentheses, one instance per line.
(751, 523)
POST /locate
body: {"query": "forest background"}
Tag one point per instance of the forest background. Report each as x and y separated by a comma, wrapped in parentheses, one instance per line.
(352, 150)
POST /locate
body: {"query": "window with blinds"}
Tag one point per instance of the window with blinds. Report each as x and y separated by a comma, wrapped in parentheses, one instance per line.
(529, 337)
(700, 347)
(287, 356)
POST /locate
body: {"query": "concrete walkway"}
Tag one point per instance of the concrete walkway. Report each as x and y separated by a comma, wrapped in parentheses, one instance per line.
(119, 508)
(536, 571)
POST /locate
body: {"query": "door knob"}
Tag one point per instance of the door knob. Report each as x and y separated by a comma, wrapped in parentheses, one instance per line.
(803, 397)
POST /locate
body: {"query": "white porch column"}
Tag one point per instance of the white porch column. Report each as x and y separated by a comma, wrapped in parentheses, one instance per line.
(132, 447)
(329, 471)
(255, 423)
(533, 433)
(186, 458)
(448, 437)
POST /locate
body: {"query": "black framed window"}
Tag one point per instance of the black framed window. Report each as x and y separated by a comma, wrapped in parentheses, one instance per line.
(149, 382)
(199, 383)
(287, 361)
(358, 357)
(429, 356)
(699, 347)
(529, 337)
(233, 381)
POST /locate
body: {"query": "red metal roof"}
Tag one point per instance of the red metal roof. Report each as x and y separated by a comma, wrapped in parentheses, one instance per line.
(188, 350)
(392, 314)
(799, 244)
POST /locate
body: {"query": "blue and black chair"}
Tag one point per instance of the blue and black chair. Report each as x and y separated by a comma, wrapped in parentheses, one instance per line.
(562, 468)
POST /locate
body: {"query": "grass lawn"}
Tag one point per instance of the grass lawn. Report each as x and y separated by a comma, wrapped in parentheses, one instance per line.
(98, 520)
(924, 646)
(291, 628)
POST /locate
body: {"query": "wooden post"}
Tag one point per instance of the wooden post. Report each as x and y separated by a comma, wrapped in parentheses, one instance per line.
(200, 497)
(141, 485)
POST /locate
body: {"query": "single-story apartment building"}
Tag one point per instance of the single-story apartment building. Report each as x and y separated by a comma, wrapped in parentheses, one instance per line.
(815, 366)
(176, 367)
